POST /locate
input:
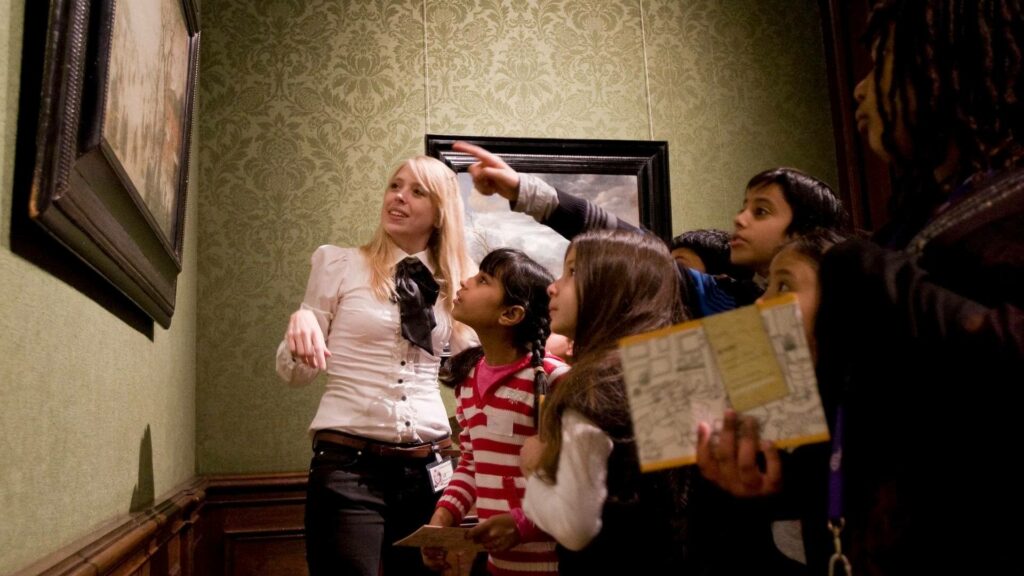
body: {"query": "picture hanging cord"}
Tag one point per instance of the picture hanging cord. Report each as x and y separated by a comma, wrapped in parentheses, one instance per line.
(647, 77)
(426, 75)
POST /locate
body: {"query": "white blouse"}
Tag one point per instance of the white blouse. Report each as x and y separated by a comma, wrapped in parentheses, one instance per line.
(379, 386)
(570, 509)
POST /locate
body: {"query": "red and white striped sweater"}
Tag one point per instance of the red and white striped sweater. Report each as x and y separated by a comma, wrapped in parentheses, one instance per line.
(495, 425)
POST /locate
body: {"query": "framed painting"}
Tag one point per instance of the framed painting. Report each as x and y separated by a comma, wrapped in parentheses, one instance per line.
(629, 178)
(114, 134)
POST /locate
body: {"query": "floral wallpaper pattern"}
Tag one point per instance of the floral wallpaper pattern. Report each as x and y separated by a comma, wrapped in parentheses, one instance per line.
(307, 104)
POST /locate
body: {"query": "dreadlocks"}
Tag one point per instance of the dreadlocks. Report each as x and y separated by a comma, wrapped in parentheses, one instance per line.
(956, 78)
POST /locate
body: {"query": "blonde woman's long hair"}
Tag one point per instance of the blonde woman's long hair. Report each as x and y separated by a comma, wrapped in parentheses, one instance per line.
(447, 243)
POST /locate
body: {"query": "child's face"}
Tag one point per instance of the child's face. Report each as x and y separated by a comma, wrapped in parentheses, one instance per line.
(792, 272)
(689, 259)
(564, 306)
(479, 302)
(760, 228)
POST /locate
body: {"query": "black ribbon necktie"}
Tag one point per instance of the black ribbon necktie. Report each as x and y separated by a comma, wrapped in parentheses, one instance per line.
(417, 292)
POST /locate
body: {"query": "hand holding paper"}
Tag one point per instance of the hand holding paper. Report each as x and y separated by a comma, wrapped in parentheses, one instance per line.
(730, 460)
(754, 360)
(451, 538)
(496, 534)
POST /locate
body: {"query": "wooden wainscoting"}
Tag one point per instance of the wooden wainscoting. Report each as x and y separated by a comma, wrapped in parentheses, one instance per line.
(155, 541)
(252, 525)
(244, 525)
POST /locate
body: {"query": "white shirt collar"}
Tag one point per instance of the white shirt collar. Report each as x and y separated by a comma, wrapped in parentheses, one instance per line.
(397, 255)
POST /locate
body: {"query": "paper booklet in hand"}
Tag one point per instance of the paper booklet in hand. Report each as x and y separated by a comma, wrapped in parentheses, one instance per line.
(453, 538)
(754, 360)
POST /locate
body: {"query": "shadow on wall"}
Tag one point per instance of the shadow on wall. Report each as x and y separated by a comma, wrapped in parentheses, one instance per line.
(28, 239)
(143, 496)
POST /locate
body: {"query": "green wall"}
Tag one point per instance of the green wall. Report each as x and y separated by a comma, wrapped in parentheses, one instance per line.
(304, 107)
(79, 387)
(307, 105)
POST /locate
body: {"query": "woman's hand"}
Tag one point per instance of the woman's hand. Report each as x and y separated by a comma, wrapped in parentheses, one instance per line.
(496, 534)
(729, 459)
(491, 175)
(306, 340)
(529, 455)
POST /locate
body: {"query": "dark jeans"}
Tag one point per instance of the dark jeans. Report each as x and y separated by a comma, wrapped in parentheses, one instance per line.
(357, 506)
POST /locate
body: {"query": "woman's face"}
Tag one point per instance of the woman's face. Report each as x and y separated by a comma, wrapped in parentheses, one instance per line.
(869, 109)
(564, 306)
(409, 214)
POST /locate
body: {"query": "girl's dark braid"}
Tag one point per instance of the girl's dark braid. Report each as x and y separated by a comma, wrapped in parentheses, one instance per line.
(540, 378)
(524, 283)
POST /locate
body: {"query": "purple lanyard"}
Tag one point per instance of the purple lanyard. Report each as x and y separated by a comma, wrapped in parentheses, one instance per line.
(961, 191)
(836, 521)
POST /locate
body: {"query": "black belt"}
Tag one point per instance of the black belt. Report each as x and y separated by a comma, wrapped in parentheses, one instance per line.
(384, 449)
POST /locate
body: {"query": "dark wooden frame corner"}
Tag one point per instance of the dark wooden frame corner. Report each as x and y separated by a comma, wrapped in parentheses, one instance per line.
(81, 193)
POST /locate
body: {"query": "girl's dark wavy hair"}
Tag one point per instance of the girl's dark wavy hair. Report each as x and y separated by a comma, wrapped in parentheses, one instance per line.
(524, 283)
(712, 247)
(814, 244)
(626, 283)
(960, 63)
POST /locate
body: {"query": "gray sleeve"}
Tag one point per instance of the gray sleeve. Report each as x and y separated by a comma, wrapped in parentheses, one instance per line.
(537, 198)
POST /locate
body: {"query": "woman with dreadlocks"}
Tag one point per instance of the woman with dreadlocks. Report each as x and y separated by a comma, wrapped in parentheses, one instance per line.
(921, 333)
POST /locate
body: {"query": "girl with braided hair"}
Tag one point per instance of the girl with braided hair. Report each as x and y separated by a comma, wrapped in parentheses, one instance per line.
(498, 387)
(921, 332)
(584, 483)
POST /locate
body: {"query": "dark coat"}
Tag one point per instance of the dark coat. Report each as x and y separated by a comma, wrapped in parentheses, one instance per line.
(924, 347)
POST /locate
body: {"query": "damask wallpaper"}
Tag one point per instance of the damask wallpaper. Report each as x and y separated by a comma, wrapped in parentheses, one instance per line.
(307, 104)
(95, 414)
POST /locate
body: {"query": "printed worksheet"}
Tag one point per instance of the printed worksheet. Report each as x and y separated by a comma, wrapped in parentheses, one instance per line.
(437, 537)
(754, 360)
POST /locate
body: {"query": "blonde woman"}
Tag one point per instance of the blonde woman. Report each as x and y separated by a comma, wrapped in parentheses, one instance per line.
(377, 319)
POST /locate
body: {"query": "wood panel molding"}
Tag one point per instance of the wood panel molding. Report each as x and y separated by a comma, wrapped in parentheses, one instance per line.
(158, 537)
(238, 524)
(253, 524)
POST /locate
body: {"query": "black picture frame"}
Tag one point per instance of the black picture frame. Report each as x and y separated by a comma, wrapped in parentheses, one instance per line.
(111, 168)
(647, 160)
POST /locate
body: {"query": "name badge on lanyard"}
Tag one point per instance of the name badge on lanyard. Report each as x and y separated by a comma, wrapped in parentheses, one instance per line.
(440, 472)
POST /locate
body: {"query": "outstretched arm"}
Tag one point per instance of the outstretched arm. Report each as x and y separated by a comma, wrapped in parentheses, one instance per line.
(564, 213)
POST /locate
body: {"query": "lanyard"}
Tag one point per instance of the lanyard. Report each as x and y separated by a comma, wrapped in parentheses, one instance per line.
(836, 521)
(962, 191)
